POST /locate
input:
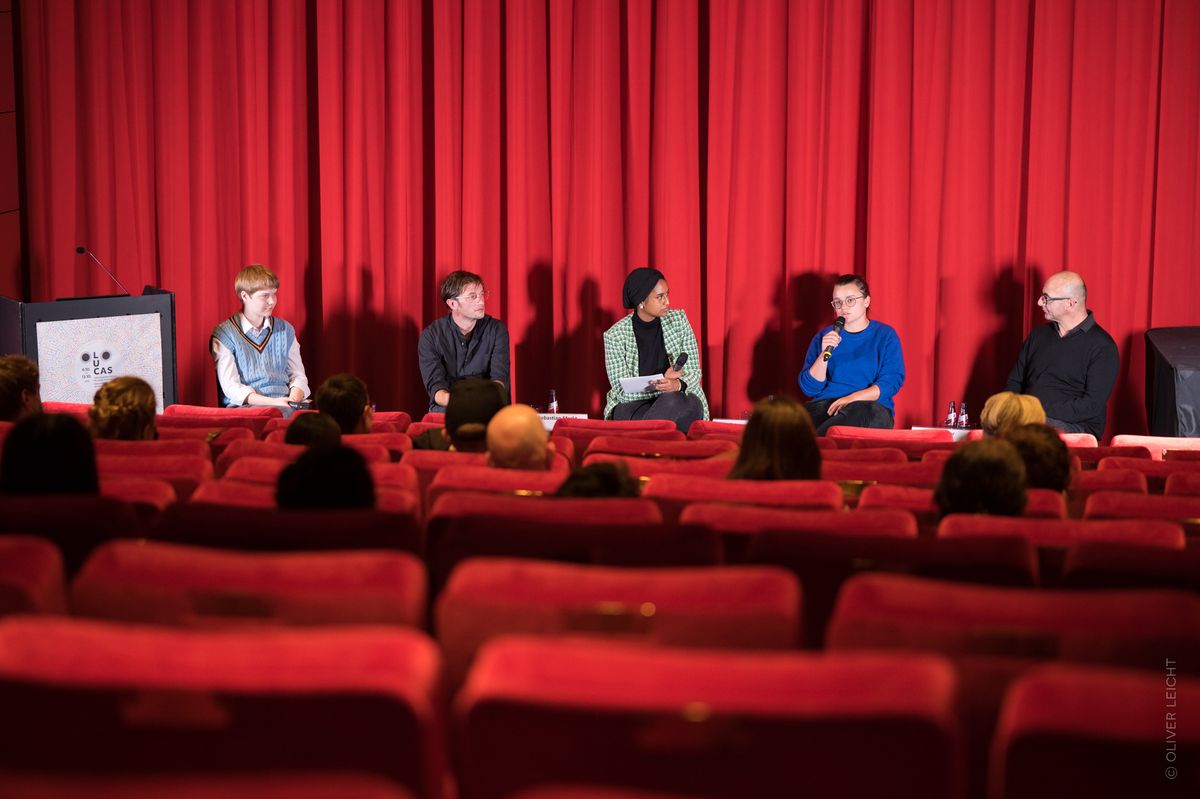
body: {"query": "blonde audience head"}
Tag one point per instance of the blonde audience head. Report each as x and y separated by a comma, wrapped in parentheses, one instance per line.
(1008, 410)
(123, 409)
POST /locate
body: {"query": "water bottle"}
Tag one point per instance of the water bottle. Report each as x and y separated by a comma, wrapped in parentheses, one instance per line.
(963, 420)
(552, 406)
(951, 416)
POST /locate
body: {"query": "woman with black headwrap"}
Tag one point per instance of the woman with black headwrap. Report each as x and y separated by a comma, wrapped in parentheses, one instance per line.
(647, 342)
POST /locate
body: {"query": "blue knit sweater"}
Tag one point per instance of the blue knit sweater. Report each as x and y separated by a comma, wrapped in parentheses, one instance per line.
(871, 357)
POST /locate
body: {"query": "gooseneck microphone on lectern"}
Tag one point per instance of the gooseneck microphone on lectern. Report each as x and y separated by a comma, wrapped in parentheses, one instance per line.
(85, 251)
(838, 325)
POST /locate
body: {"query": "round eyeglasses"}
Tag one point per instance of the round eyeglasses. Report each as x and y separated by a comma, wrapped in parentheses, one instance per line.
(848, 302)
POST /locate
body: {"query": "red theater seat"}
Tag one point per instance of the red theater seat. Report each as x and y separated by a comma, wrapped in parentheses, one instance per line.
(177, 446)
(714, 723)
(400, 420)
(582, 431)
(1086, 483)
(1068, 730)
(865, 455)
(1158, 445)
(1136, 628)
(77, 409)
(271, 529)
(148, 495)
(1156, 472)
(703, 428)
(617, 532)
(647, 448)
(1183, 484)
(186, 586)
(155, 700)
(258, 449)
(1125, 505)
(428, 462)
(494, 481)
(31, 576)
(1104, 564)
(302, 784)
(1061, 533)
(917, 501)
(277, 424)
(1042, 503)
(1090, 457)
(645, 468)
(872, 434)
(254, 419)
(416, 429)
(726, 607)
(217, 438)
(75, 523)
(183, 472)
(674, 492)
(922, 474)
(395, 443)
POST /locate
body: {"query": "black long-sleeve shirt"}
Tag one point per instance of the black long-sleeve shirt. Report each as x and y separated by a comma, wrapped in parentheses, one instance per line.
(1073, 375)
(447, 356)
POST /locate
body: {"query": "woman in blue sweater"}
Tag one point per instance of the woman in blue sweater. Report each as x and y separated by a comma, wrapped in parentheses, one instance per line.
(856, 384)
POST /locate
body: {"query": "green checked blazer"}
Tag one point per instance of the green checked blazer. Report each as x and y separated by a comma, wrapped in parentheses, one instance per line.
(621, 358)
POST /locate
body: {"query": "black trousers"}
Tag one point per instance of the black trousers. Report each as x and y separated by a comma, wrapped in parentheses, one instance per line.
(857, 414)
(681, 408)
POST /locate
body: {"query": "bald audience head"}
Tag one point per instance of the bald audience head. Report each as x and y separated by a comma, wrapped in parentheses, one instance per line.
(517, 439)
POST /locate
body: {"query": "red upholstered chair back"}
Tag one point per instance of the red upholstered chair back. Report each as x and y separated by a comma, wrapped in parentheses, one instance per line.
(1126, 505)
(271, 529)
(917, 501)
(1079, 440)
(1158, 445)
(673, 492)
(235, 495)
(620, 532)
(301, 784)
(432, 417)
(415, 429)
(582, 431)
(1045, 748)
(645, 468)
(77, 409)
(255, 469)
(1156, 472)
(148, 495)
(183, 472)
(259, 449)
(1090, 457)
(281, 423)
(427, 462)
(1138, 628)
(217, 438)
(75, 523)
(1181, 455)
(494, 481)
(713, 723)
(866, 433)
(921, 474)
(178, 446)
(159, 700)
(1104, 564)
(1183, 484)
(703, 428)
(31, 576)
(185, 586)
(1087, 482)
(748, 607)
(395, 443)
(400, 420)
(865, 455)
(202, 416)
(1064, 533)
(649, 448)
(1042, 503)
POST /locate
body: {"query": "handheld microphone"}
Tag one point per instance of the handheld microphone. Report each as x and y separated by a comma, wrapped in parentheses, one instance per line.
(85, 251)
(680, 361)
(838, 325)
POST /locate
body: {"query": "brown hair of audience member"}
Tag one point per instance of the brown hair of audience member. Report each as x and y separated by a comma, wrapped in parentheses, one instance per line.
(313, 430)
(48, 453)
(779, 443)
(599, 480)
(20, 388)
(253, 278)
(1007, 410)
(326, 477)
(982, 477)
(344, 397)
(1046, 457)
(517, 439)
(123, 409)
(457, 282)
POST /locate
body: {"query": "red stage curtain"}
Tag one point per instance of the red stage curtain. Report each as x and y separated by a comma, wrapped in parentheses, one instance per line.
(955, 151)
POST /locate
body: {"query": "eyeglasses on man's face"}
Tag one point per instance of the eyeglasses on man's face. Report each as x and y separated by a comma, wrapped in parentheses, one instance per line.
(848, 302)
(474, 296)
(1046, 299)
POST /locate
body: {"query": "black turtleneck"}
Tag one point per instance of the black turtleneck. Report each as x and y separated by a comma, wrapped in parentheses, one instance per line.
(652, 352)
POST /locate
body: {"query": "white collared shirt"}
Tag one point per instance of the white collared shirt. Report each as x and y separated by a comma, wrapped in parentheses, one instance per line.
(227, 371)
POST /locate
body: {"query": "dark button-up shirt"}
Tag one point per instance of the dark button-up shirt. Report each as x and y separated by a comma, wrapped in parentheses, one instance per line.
(447, 356)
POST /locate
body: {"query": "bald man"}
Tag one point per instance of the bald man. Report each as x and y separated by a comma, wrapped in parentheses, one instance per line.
(517, 439)
(1070, 363)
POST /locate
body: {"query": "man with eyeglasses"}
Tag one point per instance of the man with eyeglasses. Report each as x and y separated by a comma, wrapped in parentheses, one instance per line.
(1071, 363)
(855, 384)
(464, 343)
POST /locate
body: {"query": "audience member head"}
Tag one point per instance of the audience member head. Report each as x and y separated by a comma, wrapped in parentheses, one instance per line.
(982, 477)
(344, 398)
(517, 439)
(20, 388)
(599, 480)
(48, 453)
(1008, 410)
(326, 477)
(473, 403)
(313, 430)
(1046, 457)
(254, 278)
(123, 409)
(779, 443)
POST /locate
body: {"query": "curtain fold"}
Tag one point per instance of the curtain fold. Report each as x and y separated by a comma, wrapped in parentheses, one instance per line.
(954, 151)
